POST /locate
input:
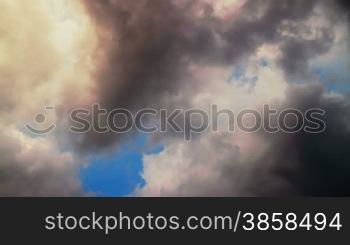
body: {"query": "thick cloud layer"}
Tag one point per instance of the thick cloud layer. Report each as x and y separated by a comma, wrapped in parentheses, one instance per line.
(147, 48)
(238, 54)
(262, 164)
(40, 65)
(315, 164)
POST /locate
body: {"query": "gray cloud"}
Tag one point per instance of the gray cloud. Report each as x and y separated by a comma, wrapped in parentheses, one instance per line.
(146, 51)
(282, 164)
(146, 48)
(314, 164)
(345, 5)
(32, 167)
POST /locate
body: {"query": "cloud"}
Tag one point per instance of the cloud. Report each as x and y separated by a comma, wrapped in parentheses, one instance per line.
(172, 54)
(314, 164)
(147, 49)
(35, 167)
(44, 61)
(344, 4)
(260, 164)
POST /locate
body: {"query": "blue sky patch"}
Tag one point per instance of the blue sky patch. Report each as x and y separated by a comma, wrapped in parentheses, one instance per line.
(118, 173)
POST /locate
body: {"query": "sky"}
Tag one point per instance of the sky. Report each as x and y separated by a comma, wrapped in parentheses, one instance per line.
(176, 54)
(118, 173)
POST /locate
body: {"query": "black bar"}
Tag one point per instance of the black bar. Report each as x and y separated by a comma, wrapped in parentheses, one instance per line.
(23, 219)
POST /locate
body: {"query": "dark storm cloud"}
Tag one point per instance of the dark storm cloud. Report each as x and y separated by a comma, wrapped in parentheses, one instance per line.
(149, 44)
(298, 51)
(146, 47)
(312, 164)
(344, 4)
(297, 164)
